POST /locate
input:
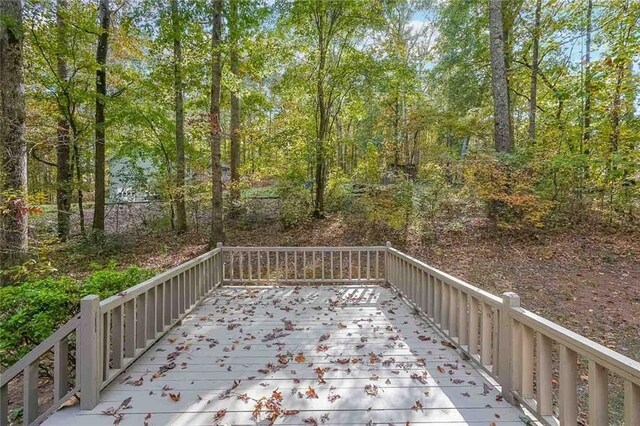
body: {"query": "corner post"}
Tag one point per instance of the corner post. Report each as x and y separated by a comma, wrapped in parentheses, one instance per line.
(89, 343)
(387, 274)
(505, 344)
(220, 267)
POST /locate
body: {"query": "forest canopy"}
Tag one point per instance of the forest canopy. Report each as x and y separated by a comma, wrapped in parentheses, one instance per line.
(528, 109)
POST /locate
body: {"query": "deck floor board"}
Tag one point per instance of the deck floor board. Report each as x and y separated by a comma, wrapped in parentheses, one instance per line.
(332, 354)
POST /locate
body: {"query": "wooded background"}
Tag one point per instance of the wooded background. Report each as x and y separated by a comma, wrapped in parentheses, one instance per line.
(527, 108)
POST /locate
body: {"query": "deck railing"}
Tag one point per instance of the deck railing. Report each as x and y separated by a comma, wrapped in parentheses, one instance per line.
(309, 265)
(516, 346)
(511, 344)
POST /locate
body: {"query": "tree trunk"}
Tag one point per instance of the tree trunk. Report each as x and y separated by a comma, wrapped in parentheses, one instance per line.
(217, 230)
(13, 146)
(181, 211)
(616, 108)
(101, 94)
(322, 116)
(235, 107)
(587, 82)
(64, 173)
(533, 98)
(502, 127)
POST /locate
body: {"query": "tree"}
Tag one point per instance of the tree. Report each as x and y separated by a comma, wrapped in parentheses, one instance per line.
(234, 138)
(104, 16)
(181, 211)
(13, 146)
(533, 96)
(501, 116)
(587, 81)
(217, 229)
(64, 172)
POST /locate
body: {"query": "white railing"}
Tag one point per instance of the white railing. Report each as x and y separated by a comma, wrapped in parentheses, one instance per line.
(309, 265)
(109, 335)
(56, 346)
(516, 346)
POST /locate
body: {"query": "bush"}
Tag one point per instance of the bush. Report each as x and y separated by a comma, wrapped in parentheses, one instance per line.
(294, 199)
(31, 312)
(338, 196)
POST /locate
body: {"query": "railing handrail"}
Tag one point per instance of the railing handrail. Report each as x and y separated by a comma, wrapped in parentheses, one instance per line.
(303, 248)
(612, 360)
(35, 353)
(136, 290)
(482, 295)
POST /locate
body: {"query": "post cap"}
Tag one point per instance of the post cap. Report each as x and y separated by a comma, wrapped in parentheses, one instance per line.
(511, 299)
(218, 244)
(388, 243)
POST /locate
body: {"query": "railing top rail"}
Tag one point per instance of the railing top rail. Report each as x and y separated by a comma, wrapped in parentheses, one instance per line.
(608, 358)
(39, 350)
(612, 360)
(134, 291)
(303, 248)
(480, 294)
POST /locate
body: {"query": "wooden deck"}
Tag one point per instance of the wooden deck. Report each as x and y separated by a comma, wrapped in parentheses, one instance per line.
(315, 355)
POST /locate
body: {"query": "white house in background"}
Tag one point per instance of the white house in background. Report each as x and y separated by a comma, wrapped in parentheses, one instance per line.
(131, 179)
(134, 179)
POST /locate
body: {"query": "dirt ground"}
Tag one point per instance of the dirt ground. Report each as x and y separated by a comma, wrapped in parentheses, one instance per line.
(583, 278)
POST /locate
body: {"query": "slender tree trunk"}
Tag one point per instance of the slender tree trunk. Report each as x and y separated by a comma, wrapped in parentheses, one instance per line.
(217, 230)
(235, 107)
(181, 210)
(533, 98)
(13, 146)
(101, 94)
(76, 159)
(322, 117)
(502, 127)
(587, 81)
(616, 108)
(64, 172)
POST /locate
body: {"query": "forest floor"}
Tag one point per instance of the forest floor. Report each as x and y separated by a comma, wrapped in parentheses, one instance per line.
(587, 279)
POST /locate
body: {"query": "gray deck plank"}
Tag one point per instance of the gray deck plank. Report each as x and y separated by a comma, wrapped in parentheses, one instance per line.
(379, 361)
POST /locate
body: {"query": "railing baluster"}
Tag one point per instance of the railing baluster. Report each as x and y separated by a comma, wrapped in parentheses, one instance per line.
(323, 254)
(4, 405)
(268, 266)
(249, 266)
(60, 369)
(485, 336)
(175, 297)
(286, 265)
(30, 393)
(231, 265)
(598, 395)
(241, 265)
(463, 335)
(151, 313)
(631, 403)
(528, 337)
(130, 328)
(278, 273)
(473, 325)
(517, 364)
(543, 375)
(141, 321)
(161, 307)
(117, 327)
(437, 300)
(106, 344)
(496, 341)
(444, 305)
(424, 280)
(453, 312)
(259, 266)
(568, 383)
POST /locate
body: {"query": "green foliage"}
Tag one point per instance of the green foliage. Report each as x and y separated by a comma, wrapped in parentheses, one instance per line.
(32, 311)
(339, 195)
(294, 205)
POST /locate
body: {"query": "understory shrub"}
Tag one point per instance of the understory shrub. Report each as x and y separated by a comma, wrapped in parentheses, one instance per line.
(32, 311)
